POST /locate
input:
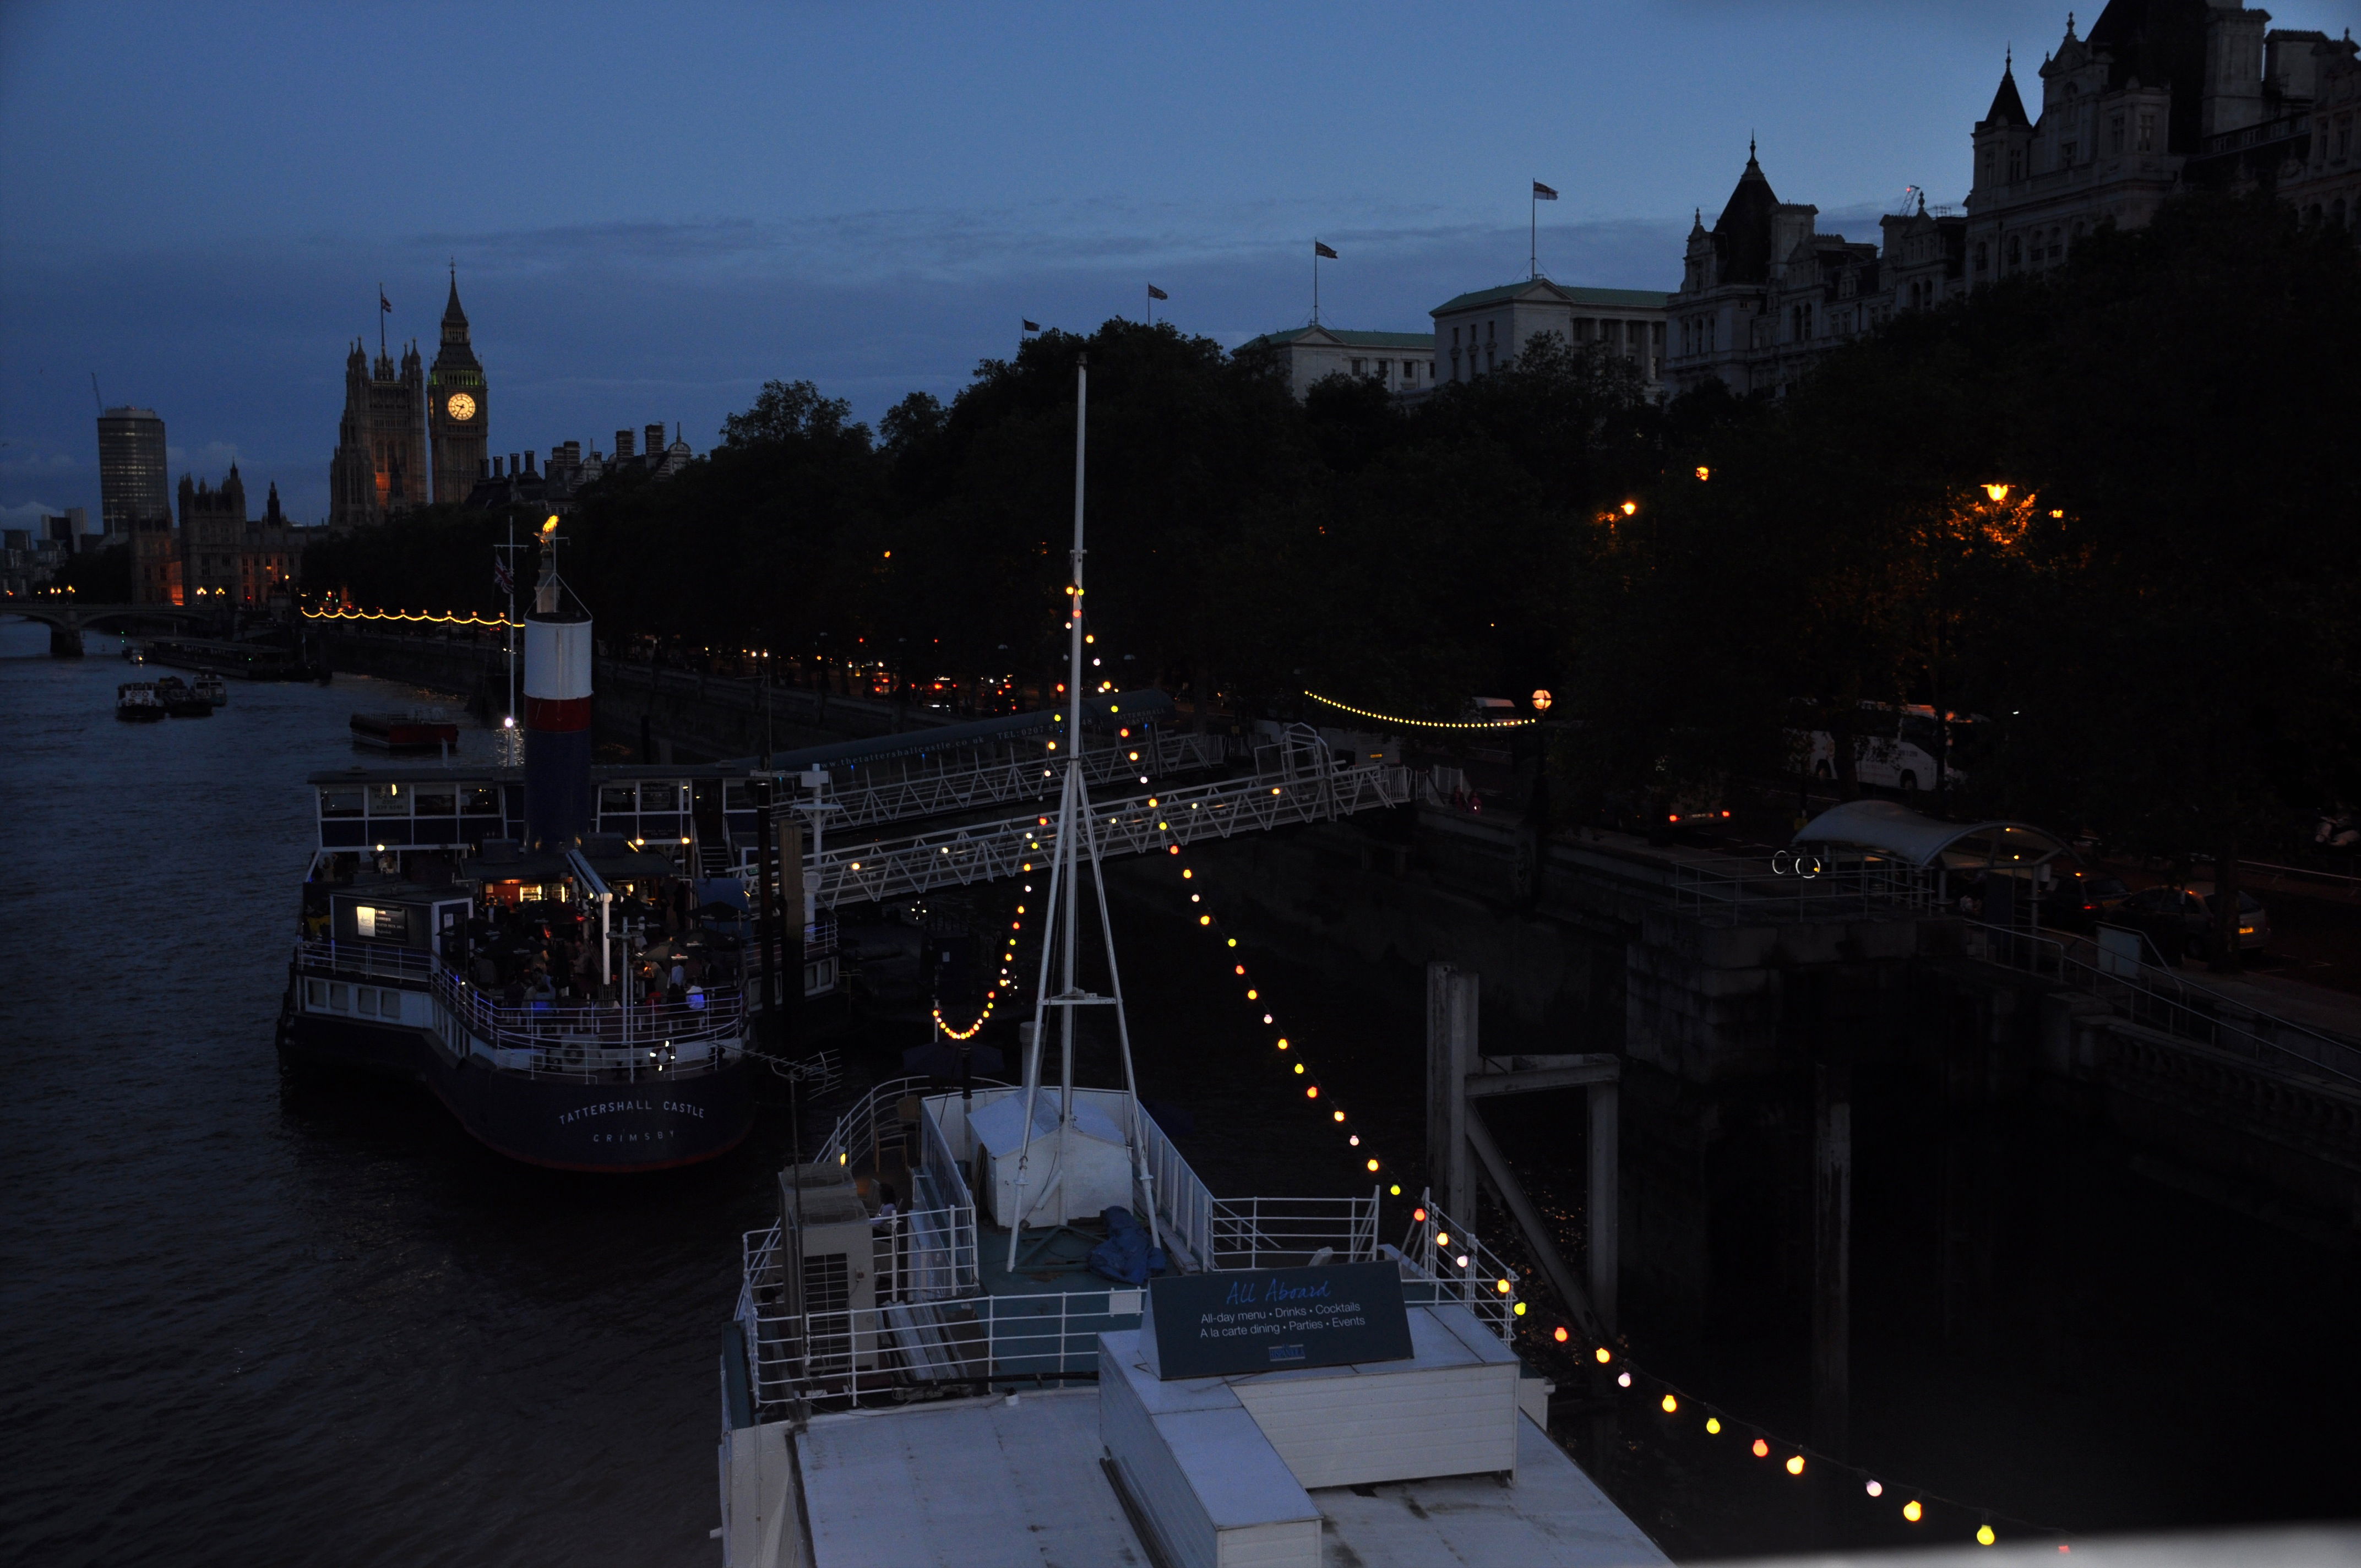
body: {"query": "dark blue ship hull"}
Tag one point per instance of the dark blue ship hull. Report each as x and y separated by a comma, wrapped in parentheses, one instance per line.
(652, 1123)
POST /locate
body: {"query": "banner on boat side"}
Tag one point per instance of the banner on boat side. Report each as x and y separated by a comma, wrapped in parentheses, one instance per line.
(1269, 1320)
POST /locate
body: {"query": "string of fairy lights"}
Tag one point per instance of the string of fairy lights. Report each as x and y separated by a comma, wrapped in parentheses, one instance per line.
(1288, 1051)
(348, 613)
(1917, 1505)
(1422, 723)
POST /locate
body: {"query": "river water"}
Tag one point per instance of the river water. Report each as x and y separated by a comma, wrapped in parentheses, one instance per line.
(256, 1319)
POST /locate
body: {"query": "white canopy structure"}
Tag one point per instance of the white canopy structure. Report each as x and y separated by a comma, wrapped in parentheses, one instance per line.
(1884, 829)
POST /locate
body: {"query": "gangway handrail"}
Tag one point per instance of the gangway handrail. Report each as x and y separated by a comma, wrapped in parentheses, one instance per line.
(917, 792)
(991, 851)
(2219, 1015)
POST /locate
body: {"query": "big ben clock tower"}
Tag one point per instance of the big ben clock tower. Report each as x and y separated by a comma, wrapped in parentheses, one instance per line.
(457, 407)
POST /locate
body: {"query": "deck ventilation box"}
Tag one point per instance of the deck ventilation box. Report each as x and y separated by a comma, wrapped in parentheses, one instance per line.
(828, 1264)
(1092, 1174)
(1222, 1467)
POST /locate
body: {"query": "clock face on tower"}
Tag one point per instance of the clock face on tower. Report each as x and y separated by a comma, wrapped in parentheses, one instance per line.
(461, 406)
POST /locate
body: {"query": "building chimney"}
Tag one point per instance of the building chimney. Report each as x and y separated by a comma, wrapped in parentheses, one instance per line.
(496, 468)
(483, 467)
(622, 444)
(656, 439)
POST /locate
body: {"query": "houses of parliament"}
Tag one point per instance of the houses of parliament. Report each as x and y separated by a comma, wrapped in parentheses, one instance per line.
(412, 435)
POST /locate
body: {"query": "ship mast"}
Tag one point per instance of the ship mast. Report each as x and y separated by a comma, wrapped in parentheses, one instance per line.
(1064, 926)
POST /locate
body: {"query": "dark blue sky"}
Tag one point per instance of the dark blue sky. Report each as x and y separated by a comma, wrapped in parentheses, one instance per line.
(655, 207)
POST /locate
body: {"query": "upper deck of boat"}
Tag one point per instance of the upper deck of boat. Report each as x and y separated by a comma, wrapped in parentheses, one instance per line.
(1017, 1480)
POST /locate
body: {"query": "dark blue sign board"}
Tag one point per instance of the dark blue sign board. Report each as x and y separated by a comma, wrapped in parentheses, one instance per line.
(1267, 1320)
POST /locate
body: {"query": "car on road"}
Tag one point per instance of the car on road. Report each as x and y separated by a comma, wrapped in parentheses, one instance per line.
(2187, 914)
(2077, 899)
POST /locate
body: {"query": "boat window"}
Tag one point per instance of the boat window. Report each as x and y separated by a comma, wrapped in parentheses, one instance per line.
(733, 797)
(481, 800)
(436, 801)
(388, 800)
(337, 997)
(340, 803)
(367, 997)
(315, 993)
(662, 797)
(615, 798)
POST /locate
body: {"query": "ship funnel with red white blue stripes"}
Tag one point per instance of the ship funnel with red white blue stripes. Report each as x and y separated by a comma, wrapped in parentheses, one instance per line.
(556, 708)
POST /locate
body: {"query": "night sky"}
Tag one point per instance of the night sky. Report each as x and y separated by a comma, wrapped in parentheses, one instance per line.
(655, 208)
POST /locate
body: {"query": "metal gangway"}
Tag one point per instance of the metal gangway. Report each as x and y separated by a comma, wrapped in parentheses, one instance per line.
(1296, 780)
(974, 777)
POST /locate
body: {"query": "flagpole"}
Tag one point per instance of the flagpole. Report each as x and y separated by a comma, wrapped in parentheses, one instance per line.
(1533, 232)
(1151, 304)
(1315, 282)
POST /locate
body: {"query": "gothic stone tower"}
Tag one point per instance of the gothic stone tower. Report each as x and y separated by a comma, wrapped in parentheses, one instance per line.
(458, 414)
(379, 467)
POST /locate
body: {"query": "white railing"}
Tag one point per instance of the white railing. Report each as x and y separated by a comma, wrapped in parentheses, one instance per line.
(872, 1353)
(1442, 1261)
(1182, 1206)
(1015, 772)
(2161, 1000)
(992, 851)
(594, 1043)
(1799, 887)
(1289, 1232)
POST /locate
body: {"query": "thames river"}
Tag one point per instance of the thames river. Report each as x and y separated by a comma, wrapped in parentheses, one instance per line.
(260, 1319)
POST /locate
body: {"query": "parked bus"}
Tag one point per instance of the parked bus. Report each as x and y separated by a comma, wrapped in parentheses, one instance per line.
(1898, 747)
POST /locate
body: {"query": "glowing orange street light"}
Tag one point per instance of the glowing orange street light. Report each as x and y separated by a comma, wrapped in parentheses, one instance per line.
(1631, 507)
(1997, 492)
(1542, 700)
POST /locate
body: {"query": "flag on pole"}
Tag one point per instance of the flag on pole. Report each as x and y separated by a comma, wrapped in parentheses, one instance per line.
(1320, 249)
(384, 305)
(502, 578)
(1543, 192)
(1032, 326)
(1156, 293)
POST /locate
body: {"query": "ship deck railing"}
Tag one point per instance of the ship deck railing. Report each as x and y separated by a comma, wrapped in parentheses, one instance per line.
(919, 1341)
(597, 1044)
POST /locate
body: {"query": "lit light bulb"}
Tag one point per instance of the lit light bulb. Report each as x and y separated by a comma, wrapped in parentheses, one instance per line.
(1501, 1286)
(1604, 1354)
(1670, 1405)
(1713, 1425)
(1373, 1167)
(1985, 1536)
(1559, 1333)
(1266, 1017)
(1912, 1511)
(1395, 1189)
(1875, 1488)
(1444, 1239)
(1253, 995)
(1340, 1117)
(1204, 920)
(1312, 1093)
(1623, 1380)
(1299, 1066)
(1418, 1216)
(1282, 1042)
(1761, 1449)
(1794, 1464)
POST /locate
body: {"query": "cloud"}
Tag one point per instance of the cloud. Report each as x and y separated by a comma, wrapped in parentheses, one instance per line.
(28, 514)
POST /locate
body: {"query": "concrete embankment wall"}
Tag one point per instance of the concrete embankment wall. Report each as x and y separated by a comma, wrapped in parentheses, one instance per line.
(660, 715)
(1725, 1028)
